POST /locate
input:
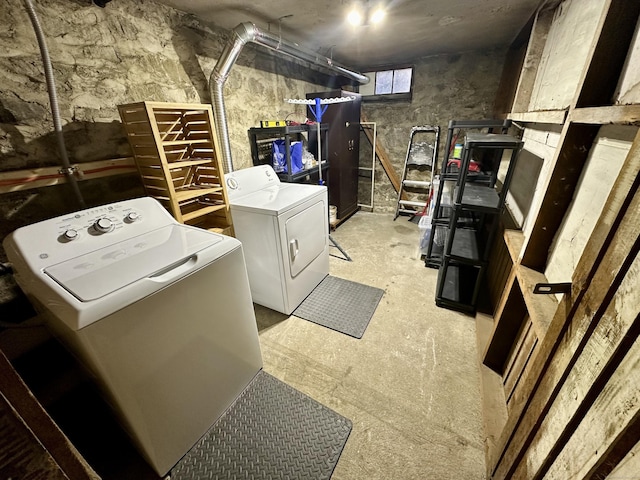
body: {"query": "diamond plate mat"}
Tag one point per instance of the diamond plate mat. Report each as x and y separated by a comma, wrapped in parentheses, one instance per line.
(341, 305)
(272, 431)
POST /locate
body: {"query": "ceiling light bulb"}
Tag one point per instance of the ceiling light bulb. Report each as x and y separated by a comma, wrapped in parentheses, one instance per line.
(378, 15)
(355, 17)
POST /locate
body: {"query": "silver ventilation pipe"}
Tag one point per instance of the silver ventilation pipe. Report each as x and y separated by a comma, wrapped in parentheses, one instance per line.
(53, 100)
(241, 35)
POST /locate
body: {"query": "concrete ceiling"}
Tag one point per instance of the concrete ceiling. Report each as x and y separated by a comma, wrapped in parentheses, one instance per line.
(412, 28)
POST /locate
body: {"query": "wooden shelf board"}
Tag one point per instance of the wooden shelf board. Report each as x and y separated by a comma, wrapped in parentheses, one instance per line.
(556, 117)
(510, 315)
(514, 239)
(615, 114)
(188, 163)
(541, 307)
(194, 191)
(186, 142)
(201, 211)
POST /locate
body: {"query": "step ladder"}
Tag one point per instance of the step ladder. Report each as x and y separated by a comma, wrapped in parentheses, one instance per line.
(420, 154)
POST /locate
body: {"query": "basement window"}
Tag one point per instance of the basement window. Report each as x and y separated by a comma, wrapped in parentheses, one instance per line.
(388, 85)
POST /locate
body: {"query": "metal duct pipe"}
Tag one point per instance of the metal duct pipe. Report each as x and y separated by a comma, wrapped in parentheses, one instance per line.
(241, 35)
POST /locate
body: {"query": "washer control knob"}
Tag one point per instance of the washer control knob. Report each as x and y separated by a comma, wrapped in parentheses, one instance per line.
(132, 217)
(103, 225)
(70, 234)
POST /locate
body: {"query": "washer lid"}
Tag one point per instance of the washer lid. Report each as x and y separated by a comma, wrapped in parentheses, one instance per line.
(99, 273)
(276, 199)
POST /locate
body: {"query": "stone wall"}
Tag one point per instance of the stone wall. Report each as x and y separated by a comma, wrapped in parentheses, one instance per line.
(135, 50)
(127, 52)
(446, 87)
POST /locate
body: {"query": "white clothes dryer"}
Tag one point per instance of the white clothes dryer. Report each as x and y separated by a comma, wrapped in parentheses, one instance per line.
(284, 230)
(160, 313)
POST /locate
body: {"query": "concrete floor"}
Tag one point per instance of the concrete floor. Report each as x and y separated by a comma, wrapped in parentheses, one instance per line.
(411, 385)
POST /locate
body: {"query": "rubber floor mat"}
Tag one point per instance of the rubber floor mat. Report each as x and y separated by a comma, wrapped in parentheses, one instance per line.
(341, 305)
(272, 431)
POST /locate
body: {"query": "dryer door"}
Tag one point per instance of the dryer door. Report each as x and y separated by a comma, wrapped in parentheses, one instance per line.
(306, 234)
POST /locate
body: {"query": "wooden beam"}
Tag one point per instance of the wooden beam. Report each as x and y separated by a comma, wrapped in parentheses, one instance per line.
(42, 425)
(554, 117)
(541, 307)
(384, 159)
(535, 48)
(606, 259)
(19, 180)
(608, 54)
(510, 314)
(567, 164)
(615, 114)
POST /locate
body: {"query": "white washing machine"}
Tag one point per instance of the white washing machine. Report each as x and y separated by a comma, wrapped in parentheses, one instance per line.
(284, 230)
(159, 312)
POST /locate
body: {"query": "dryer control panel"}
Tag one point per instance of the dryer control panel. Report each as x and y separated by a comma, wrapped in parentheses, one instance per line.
(249, 180)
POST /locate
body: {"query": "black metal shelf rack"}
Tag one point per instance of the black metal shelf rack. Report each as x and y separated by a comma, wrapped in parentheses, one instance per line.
(448, 179)
(261, 141)
(473, 215)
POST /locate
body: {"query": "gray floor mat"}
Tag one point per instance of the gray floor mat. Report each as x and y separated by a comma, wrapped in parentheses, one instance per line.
(272, 431)
(341, 305)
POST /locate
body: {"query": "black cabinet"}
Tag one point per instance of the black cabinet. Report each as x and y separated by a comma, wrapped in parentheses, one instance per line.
(474, 207)
(343, 150)
(262, 140)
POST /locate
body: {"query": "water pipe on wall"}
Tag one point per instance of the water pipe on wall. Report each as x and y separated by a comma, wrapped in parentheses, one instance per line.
(67, 170)
(240, 36)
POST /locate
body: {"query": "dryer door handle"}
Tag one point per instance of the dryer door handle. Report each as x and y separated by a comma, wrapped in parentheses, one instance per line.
(293, 248)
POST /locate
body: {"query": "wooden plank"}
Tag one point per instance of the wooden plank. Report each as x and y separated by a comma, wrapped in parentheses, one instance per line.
(384, 159)
(498, 269)
(621, 194)
(556, 117)
(614, 36)
(494, 412)
(566, 167)
(514, 239)
(522, 351)
(42, 425)
(579, 424)
(20, 180)
(200, 211)
(511, 72)
(541, 307)
(194, 191)
(628, 467)
(566, 337)
(21, 454)
(533, 55)
(510, 314)
(615, 114)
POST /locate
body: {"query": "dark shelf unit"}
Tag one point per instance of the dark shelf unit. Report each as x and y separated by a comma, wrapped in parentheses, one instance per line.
(473, 217)
(261, 141)
(343, 150)
(448, 180)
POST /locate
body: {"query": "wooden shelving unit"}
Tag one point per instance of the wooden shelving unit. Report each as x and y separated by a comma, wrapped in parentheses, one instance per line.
(175, 147)
(564, 372)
